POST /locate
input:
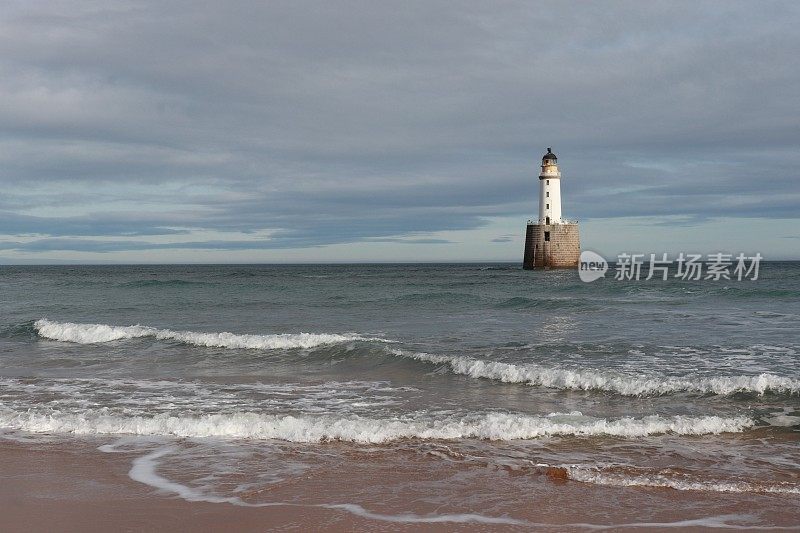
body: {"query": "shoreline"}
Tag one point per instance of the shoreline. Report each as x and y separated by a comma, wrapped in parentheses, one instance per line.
(74, 486)
(53, 487)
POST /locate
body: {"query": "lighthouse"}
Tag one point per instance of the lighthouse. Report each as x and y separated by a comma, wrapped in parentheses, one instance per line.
(551, 241)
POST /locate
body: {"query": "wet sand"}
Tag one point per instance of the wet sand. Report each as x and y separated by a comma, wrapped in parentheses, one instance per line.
(49, 488)
(69, 487)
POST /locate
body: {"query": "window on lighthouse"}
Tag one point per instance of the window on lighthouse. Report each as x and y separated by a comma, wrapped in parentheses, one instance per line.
(547, 206)
(547, 194)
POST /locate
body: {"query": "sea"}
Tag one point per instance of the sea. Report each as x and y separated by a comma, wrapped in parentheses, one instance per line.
(419, 393)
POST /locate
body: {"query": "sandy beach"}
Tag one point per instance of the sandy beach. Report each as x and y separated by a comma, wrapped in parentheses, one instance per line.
(48, 487)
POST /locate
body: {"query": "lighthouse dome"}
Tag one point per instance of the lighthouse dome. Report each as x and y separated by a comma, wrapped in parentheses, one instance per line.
(549, 155)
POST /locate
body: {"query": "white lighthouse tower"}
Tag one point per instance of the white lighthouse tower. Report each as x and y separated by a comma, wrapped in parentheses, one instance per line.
(550, 190)
(551, 241)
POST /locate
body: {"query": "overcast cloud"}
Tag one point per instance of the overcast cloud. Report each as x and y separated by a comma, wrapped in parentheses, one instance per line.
(251, 130)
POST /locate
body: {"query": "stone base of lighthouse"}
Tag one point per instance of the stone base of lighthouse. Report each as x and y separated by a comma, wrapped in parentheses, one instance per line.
(552, 246)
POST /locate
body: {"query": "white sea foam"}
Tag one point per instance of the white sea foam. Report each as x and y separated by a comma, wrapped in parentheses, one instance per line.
(99, 333)
(144, 471)
(629, 385)
(730, 521)
(594, 475)
(320, 428)
(411, 518)
(147, 397)
(783, 420)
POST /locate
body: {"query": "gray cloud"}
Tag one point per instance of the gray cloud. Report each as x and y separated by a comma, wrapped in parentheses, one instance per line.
(337, 122)
(85, 226)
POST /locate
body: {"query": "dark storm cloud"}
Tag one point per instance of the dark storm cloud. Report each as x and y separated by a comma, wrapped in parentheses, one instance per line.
(336, 122)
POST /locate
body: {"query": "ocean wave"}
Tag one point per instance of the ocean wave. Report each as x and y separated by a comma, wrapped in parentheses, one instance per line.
(627, 385)
(99, 333)
(25, 329)
(598, 476)
(520, 302)
(322, 428)
(163, 283)
(148, 397)
(436, 297)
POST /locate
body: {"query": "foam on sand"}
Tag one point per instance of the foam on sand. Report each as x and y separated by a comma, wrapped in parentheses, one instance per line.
(598, 476)
(628, 385)
(99, 333)
(145, 470)
(321, 428)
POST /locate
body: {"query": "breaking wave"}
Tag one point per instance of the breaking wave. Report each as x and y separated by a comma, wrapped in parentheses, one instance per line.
(529, 373)
(564, 378)
(99, 333)
(322, 428)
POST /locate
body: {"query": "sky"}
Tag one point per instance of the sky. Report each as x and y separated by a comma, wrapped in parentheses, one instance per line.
(363, 131)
